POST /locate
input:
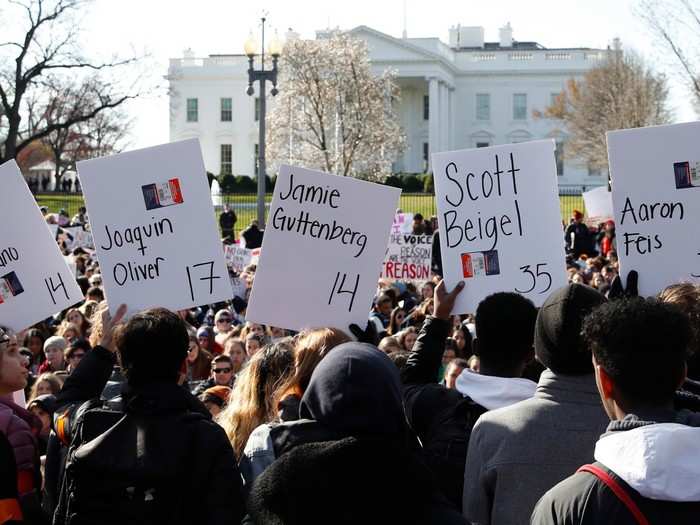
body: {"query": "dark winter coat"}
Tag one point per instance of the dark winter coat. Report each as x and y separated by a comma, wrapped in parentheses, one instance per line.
(372, 475)
(10, 511)
(659, 470)
(188, 460)
(253, 237)
(442, 418)
(578, 239)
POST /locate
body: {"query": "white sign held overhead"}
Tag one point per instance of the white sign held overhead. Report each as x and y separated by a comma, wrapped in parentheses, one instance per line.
(237, 257)
(598, 203)
(154, 229)
(324, 243)
(408, 257)
(656, 197)
(35, 281)
(403, 223)
(500, 224)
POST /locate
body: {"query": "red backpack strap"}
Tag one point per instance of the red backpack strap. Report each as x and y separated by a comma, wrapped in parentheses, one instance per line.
(617, 489)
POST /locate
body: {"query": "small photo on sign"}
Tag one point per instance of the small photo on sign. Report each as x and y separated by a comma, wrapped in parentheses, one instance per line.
(479, 264)
(687, 174)
(9, 286)
(162, 194)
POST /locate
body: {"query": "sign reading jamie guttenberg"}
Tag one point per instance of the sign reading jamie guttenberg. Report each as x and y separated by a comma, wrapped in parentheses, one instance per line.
(655, 175)
(154, 229)
(500, 224)
(35, 281)
(324, 243)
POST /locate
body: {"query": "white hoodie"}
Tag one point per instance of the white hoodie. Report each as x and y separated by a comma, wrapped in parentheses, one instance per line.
(660, 461)
(493, 392)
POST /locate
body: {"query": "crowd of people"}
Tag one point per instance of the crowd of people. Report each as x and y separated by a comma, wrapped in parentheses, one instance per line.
(581, 411)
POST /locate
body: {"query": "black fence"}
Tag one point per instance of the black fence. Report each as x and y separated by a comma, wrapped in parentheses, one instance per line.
(245, 204)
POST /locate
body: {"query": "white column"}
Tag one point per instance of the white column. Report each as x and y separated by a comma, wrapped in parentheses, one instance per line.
(433, 119)
(452, 142)
(444, 117)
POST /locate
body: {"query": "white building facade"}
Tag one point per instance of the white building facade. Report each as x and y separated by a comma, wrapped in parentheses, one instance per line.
(465, 94)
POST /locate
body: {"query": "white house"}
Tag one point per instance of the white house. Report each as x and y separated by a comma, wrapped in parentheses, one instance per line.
(464, 94)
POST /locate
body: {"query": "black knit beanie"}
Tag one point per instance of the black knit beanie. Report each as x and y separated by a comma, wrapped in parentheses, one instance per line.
(558, 342)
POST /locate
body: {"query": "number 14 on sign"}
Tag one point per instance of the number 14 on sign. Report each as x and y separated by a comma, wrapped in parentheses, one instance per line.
(338, 285)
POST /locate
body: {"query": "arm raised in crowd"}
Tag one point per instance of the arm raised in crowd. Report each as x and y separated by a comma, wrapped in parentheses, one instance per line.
(426, 357)
(92, 373)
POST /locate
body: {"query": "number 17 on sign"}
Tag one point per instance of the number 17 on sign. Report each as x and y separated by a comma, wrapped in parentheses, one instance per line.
(338, 288)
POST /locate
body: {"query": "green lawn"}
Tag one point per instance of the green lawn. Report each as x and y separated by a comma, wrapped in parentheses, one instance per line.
(244, 205)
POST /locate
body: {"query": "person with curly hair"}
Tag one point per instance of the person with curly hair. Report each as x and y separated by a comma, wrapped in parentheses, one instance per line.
(646, 467)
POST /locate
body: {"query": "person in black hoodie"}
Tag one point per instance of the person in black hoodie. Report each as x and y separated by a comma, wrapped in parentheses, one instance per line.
(361, 465)
(648, 462)
(155, 455)
(443, 418)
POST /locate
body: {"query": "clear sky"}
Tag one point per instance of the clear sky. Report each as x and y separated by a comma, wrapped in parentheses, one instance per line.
(165, 28)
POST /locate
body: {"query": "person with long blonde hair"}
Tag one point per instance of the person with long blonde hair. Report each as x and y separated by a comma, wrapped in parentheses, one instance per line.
(310, 347)
(252, 400)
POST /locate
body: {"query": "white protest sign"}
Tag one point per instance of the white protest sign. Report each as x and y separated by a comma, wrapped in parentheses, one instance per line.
(70, 262)
(403, 223)
(500, 222)
(154, 228)
(237, 257)
(598, 203)
(35, 281)
(322, 251)
(656, 196)
(238, 287)
(78, 238)
(408, 257)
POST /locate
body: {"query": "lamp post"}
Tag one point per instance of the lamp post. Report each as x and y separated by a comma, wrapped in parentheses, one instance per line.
(262, 75)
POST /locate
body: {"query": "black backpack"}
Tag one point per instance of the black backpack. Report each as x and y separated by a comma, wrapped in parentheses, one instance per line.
(124, 468)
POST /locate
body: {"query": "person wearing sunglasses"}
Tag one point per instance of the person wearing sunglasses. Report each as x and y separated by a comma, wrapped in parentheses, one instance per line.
(76, 350)
(221, 375)
(223, 324)
(198, 358)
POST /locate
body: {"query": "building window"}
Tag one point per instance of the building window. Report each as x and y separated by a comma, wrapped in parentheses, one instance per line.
(593, 171)
(257, 109)
(559, 157)
(520, 106)
(426, 107)
(226, 110)
(226, 159)
(482, 144)
(426, 151)
(192, 110)
(256, 153)
(483, 106)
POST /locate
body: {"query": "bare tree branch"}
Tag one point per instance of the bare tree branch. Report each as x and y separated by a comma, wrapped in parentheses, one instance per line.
(619, 94)
(49, 54)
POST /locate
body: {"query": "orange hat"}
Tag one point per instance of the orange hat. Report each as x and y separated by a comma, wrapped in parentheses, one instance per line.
(217, 394)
